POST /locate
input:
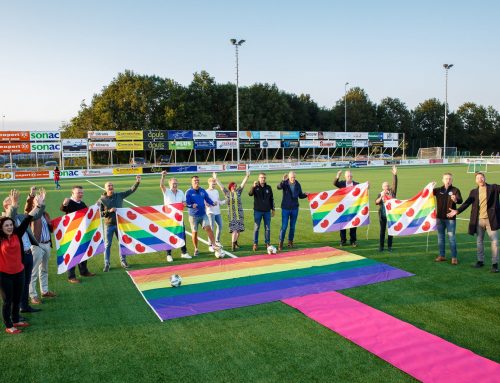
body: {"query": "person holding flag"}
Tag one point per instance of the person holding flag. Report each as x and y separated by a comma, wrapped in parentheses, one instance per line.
(263, 209)
(343, 184)
(387, 192)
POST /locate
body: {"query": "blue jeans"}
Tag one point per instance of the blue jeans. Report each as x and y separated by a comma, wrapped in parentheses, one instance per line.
(108, 241)
(215, 219)
(257, 218)
(287, 215)
(446, 225)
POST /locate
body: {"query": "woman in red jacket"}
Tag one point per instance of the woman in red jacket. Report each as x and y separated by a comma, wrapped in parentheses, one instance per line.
(11, 266)
(57, 177)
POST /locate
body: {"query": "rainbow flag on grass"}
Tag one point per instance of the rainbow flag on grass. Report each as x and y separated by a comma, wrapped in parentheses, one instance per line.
(148, 229)
(78, 237)
(340, 209)
(413, 216)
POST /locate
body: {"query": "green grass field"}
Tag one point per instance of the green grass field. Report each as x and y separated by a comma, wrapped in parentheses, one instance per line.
(103, 331)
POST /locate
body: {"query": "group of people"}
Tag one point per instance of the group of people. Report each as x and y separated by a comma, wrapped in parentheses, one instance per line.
(25, 238)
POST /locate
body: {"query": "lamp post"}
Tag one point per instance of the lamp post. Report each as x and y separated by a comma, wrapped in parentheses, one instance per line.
(237, 43)
(345, 106)
(446, 68)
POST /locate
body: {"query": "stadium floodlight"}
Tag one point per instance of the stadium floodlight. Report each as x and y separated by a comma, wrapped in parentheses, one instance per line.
(446, 68)
(345, 106)
(237, 44)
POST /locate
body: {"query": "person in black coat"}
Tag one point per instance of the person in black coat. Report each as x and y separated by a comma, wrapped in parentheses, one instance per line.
(484, 217)
(387, 192)
(342, 184)
(263, 209)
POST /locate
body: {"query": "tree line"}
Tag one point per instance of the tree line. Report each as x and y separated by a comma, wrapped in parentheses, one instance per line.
(147, 102)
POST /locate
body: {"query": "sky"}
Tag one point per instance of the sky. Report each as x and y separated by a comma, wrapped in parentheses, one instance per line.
(54, 54)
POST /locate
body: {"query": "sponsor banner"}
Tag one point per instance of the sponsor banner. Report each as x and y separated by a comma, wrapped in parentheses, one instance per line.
(183, 135)
(249, 135)
(155, 145)
(70, 173)
(121, 171)
(326, 144)
(14, 136)
(155, 135)
(391, 136)
(98, 146)
(270, 144)
(339, 163)
(359, 136)
(309, 135)
(392, 162)
(44, 147)
(375, 136)
(229, 168)
(344, 143)
(279, 165)
(25, 175)
(330, 136)
(129, 145)
(377, 162)
(308, 143)
(391, 144)
(129, 135)
(269, 135)
(15, 147)
(360, 144)
(45, 136)
(287, 135)
(310, 165)
(359, 163)
(180, 145)
(6, 176)
(250, 144)
(205, 144)
(210, 168)
(101, 134)
(183, 169)
(415, 162)
(436, 161)
(257, 166)
(75, 145)
(227, 144)
(226, 134)
(97, 172)
(377, 143)
(204, 134)
(74, 154)
(154, 169)
(290, 144)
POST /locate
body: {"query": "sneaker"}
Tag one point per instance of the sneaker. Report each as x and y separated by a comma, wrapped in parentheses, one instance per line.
(35, 301)
(12, 330)
(196, 252)
(124, 264)
(211, 248)
(88, 274)
(21, 324)
(106, 268)
(219, 244)
(354, 244)
(494, 268)
(186, 256)
(73, 280)
(454, 261)
(49, 294)
(169, 258)
(478, 264)
(440, 259)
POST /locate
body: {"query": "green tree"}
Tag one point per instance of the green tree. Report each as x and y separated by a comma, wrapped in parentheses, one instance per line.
(361, 112)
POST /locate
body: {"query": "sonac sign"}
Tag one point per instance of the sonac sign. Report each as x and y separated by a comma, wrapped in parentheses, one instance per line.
(45, 136)
(45, 147)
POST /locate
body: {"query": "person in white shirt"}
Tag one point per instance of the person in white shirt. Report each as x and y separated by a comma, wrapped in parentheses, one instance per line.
(173, 195)
(213, 212)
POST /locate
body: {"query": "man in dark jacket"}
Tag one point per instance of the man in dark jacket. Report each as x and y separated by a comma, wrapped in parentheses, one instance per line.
(447, 197)
(343, 184)
(292, 191)
(263, 206)
(484, 217)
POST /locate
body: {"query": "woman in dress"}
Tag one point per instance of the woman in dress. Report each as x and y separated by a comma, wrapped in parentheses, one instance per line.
(235, 216)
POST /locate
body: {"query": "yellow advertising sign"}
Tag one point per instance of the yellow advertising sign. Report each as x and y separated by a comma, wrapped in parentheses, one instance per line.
(129, 145)
(120, 171)
(124, 135)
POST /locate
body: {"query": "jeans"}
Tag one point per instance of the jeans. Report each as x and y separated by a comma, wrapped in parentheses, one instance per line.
(383, 226)
(28, 268)
(11, 287)
(108, 241)
(483, 227)
(257, 218)
(288, 215)
(449, 226)
(215, 219)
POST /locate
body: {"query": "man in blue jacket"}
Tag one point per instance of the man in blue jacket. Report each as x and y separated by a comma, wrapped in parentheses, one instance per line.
(292, 191)
(196, 197)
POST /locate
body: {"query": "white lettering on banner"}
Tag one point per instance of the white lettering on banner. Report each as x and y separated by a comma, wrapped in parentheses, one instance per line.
(102, 146)
(45, 147)
(203, 135)
(44, 136)
(210, 168)
(269, 135)
(227, 144)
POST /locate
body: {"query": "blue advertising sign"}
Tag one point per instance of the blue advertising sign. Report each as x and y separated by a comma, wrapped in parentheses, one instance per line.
(290, 144)
(183, 169)
(287, 135)
(180, 134)
(205, 144)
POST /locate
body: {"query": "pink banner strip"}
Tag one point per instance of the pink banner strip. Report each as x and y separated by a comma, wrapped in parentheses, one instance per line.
(420, 354)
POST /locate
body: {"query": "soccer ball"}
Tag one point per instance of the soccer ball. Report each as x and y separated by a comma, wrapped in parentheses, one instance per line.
(175, 280)
(271, 250)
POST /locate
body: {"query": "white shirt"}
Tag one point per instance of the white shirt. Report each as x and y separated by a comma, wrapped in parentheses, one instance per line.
(170, 197)
(214, 196)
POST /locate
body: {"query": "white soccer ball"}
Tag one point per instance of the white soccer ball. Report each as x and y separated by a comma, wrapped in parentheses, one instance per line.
(175, 280)
(271, 250)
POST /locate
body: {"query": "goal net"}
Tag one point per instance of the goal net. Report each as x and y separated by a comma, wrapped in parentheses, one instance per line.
(430, 153)
(483, 165)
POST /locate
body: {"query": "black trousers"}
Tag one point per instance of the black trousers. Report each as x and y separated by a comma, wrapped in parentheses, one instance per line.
(81, 266)
(28, 268)
(11, 287)
(352, 234)
(383, 226)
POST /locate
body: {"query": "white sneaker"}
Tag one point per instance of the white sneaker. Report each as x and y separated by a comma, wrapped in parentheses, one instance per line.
(169, 258)
(211, 248)
(186, 256)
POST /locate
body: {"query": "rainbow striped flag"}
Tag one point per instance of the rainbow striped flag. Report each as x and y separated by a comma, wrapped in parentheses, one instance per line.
(78, 236)
(412, 216)
(340, 209)
(148, 229)
(230, 283)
